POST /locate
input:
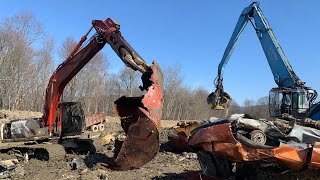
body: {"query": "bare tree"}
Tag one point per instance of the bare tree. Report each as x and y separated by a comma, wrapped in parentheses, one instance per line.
(17, 34)
(112, 91)
(25, 71)
(42, 69)
(88, 85)
(69, 93)
(27, 25)
(173, 83)
(234, 108)
(248, 105)
(262, 108)
(92, 82)
(198, 107)
(129, 80)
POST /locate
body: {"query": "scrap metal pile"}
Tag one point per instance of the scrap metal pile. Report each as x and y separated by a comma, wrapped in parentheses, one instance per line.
(276, 147)
(235, 146)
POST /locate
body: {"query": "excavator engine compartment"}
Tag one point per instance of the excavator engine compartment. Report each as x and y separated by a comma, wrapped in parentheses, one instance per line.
(29, 136)
(72, 115)
(23, 129)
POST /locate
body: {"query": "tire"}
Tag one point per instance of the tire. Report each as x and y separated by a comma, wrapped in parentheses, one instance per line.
(95, 128)
(101, 127)
(207, 166)
(214, 166)
(246, 141)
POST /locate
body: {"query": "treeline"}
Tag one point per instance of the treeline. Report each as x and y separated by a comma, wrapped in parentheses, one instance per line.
(27, 60)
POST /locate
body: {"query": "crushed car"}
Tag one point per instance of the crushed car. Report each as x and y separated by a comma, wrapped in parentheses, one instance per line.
(241, 146)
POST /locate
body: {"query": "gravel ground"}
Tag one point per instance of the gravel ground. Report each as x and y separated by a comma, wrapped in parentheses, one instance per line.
(166, 164)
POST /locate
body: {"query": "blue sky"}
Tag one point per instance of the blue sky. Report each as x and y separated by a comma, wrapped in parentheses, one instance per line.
(193, 34)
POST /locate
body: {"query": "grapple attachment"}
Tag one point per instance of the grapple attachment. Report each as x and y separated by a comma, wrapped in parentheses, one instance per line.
(219, 100)
(140, 119)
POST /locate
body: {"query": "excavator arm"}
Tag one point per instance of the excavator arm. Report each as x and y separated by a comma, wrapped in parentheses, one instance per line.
(107, 32)
(140, 116)
(64, 73)
(221, 143)
(283, 74)
(282, 71)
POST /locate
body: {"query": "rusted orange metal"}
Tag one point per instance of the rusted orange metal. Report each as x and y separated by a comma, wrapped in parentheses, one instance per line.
(178, 141)
(179, 135)
(140, 119)
(219, 140)
(94, 119)
(315, 158)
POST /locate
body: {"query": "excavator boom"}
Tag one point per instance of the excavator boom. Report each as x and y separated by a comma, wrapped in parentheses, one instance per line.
(63, 74)
(289, 84)
(282, 71)
(107, 32)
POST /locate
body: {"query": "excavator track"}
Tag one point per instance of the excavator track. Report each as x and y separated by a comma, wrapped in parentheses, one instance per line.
(43, 151)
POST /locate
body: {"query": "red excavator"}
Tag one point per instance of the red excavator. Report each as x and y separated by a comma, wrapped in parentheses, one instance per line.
(62, 123)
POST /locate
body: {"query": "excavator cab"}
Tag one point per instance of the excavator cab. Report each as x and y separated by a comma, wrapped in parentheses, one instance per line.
(293, 101)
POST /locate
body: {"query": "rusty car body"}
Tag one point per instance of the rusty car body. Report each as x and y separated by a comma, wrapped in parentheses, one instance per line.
(238, 141)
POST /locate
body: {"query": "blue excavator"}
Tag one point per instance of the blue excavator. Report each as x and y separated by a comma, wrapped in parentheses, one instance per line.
(286, 146)
(291, 96)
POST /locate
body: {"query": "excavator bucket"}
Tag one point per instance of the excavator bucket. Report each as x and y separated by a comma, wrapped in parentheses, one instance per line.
(140, 119)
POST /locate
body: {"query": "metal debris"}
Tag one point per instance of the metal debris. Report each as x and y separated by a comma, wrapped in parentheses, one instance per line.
(76, 163)
(189, 155)
(6, 167)
(108, 138)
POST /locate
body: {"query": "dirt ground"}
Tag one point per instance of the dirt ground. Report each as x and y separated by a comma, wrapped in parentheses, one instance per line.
(166, 164)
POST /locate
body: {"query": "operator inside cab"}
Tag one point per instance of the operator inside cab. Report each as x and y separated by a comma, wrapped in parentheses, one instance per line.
(285, 103)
